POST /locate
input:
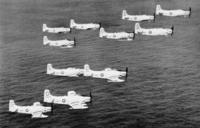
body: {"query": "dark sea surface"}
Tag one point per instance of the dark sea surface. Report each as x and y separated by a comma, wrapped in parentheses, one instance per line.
(163, 87)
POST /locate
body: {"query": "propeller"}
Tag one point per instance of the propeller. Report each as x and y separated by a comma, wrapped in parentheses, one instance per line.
(133, 35)
(90, 96)
(74, 42)
(190, 9)
(52, 107)
(172, 28)
(70, 31)
(100, 25)
(154, 15)
(126, 73)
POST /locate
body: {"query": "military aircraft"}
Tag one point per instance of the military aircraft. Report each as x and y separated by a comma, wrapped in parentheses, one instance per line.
(153, 31)
(85, 26)
(112, 75)
(59, 43)
(126, 16)
(70, 72)
(74, 100)
(116, 35)
(172, 13)
(45, 28)
(36, 110)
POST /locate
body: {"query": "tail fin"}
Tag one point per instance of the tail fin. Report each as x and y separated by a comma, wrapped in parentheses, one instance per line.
(45, 40)
(72, 22)
(137, 27)
(101, 32)
(49, 69)
(158, 9)
(47, 96)
(87, 70)
(44, 27)
(12, 106)
(124, 14)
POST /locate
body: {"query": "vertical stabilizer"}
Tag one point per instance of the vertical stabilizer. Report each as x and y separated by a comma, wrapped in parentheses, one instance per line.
(137, 28)
(87, 71)
(49, 69)
(124, 14)
(158, 9)
(47, 96)
(12, 106)
(44, 27)
(72, 23)
(45, 40)
(101, 32)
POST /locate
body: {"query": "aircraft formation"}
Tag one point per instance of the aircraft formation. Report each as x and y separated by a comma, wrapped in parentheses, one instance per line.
(72, 99)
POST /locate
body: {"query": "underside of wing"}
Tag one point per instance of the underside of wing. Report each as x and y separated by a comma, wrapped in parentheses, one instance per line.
(114, 79)
(38, 114)
(78, 105)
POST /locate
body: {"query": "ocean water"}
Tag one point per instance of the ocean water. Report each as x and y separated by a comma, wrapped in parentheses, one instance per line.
(163, 87)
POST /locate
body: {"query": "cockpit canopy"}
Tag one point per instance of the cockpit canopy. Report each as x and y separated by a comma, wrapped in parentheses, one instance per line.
(71, 93)
(37, 104)
(108, 69)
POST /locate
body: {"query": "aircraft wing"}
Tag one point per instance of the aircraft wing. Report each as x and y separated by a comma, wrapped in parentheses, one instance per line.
(78, 105)
(114, 79)
(38, 114)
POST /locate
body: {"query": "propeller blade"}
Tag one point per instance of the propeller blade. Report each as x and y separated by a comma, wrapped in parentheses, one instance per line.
(133, 35)
(172, 28)
(154, 15)
(126, 73)
(190, 9)
(90, 97)
(100, 25)
(52, 107)
(74, 41)
(70, 31)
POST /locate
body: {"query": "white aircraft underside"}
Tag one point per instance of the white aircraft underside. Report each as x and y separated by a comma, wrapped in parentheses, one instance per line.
(112, 75)
(36, 110)
(126, 16)
(174, 12)
(74, 100)
(177, 12)
(153, 31)
(70, 72)
(156, 31)
(59, 43)
(139, 17)
(85, 26)
(45, 28)
(116, 35)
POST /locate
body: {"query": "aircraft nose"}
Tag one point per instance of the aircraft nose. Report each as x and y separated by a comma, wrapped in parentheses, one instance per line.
(48, 109)
(87, 99)
(123, 73)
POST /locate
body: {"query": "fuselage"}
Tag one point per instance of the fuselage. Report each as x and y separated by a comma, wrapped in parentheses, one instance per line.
(138, 17)
(178, 12)
(61, 43)
(118, 35)
(32, 109)
(71, 72)
(155, 31)
(105, 74)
